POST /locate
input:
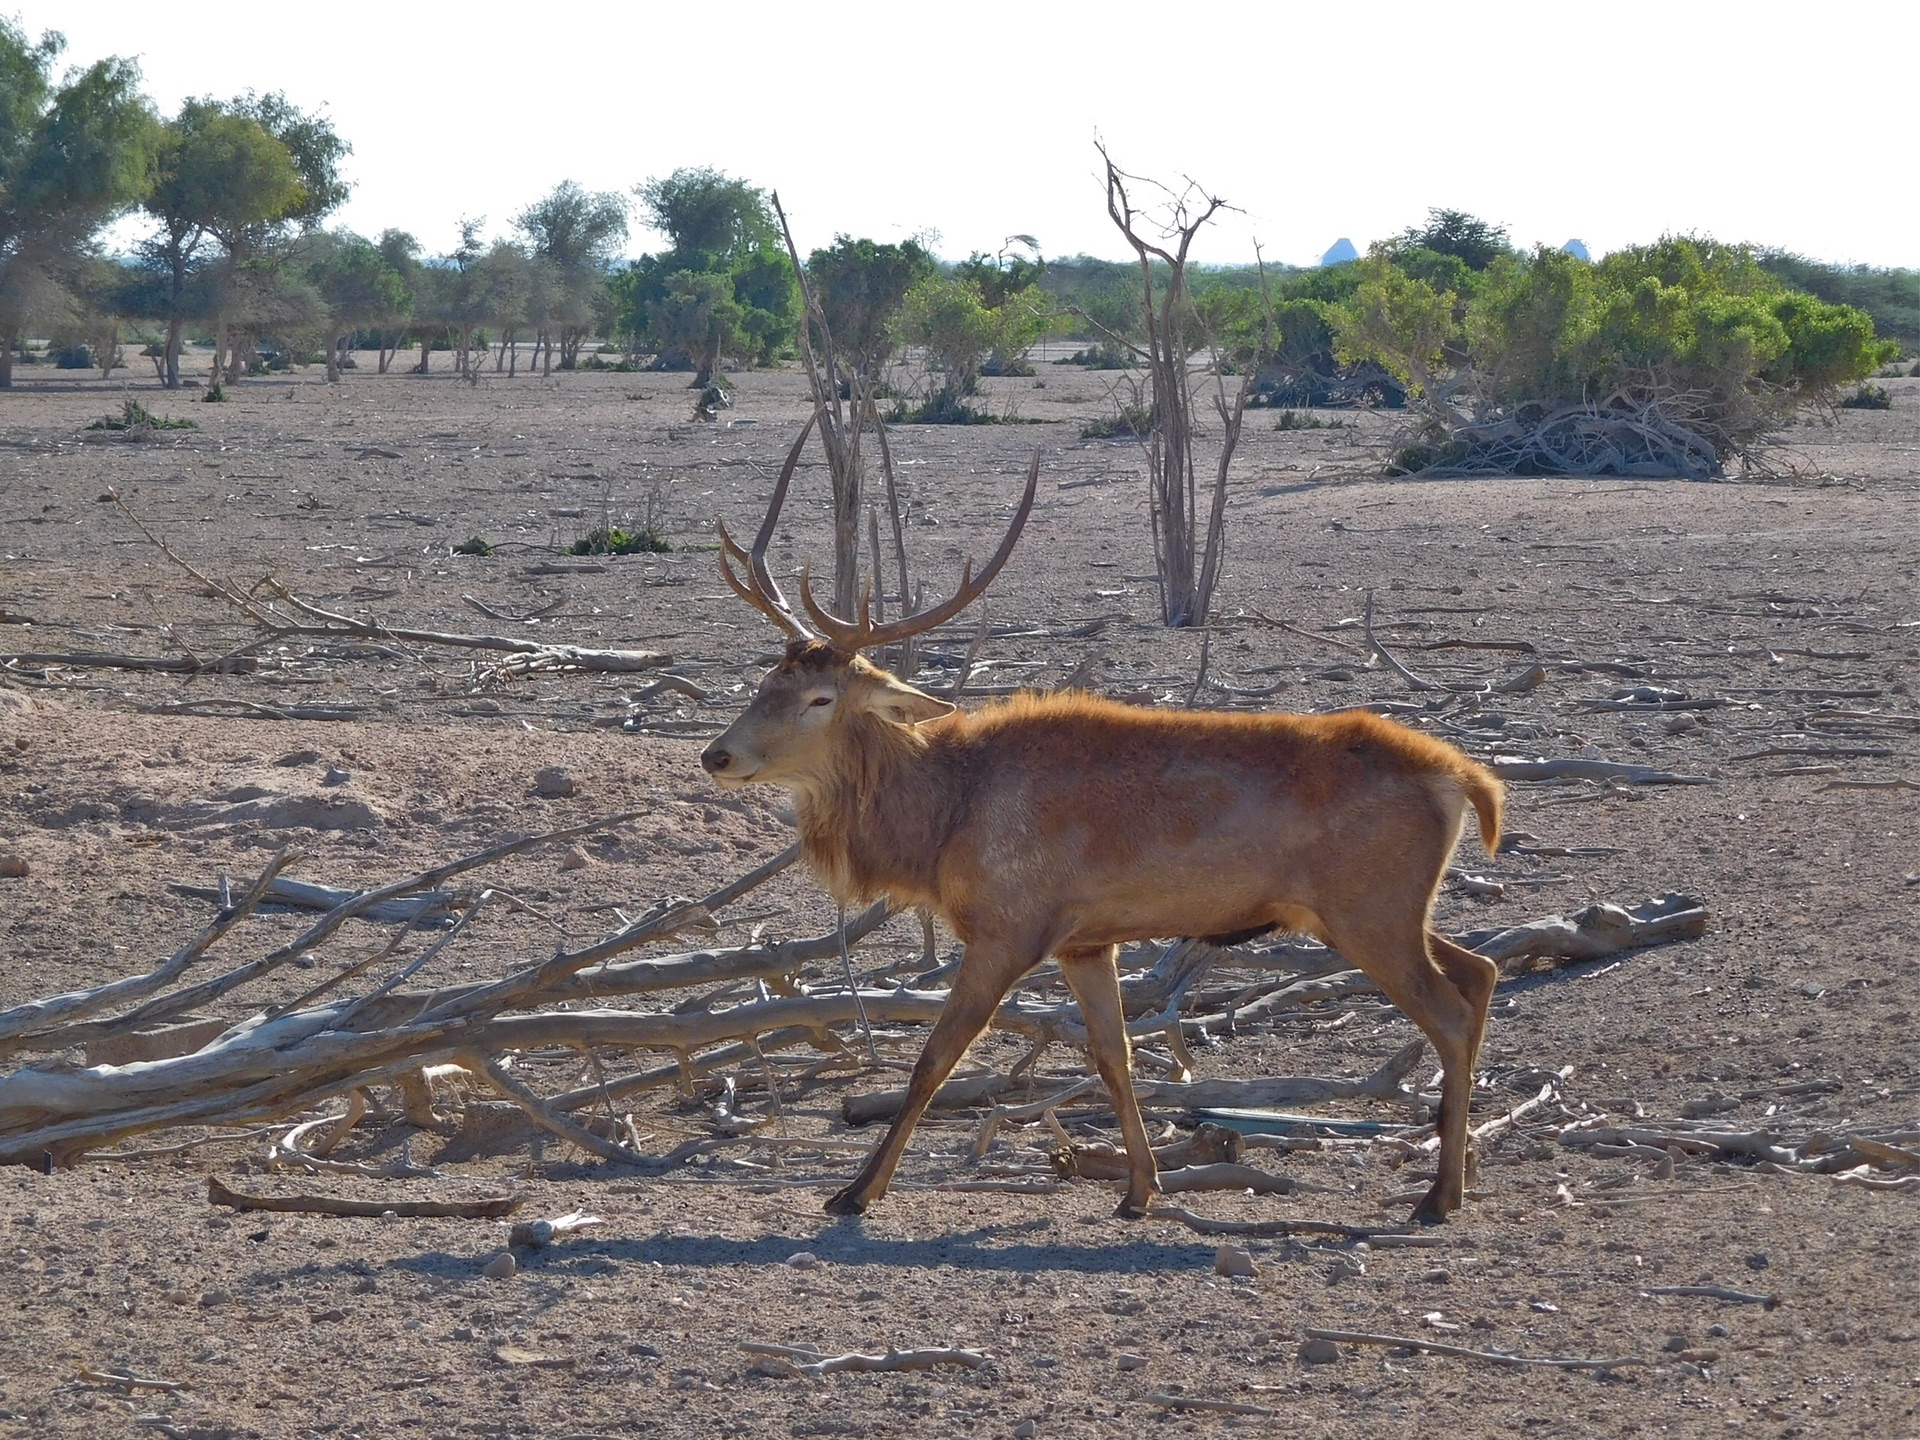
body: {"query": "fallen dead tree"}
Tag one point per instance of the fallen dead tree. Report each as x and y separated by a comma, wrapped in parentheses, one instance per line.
(756, 1005)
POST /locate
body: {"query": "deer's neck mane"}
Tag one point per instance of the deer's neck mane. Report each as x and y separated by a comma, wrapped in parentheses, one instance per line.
(877, 824)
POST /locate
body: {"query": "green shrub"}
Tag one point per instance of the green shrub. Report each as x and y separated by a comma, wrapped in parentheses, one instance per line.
(1132, 422)
(134, 416)
(1694, 326)
(611, 540)
(1868, 397)
(1307, 420)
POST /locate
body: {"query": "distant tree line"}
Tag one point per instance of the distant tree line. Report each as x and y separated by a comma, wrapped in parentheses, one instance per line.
(235, 194)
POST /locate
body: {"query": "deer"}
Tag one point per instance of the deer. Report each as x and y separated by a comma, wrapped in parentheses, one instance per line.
(1067, 824)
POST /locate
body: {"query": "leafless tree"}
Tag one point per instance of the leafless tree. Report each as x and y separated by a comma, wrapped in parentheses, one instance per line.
(1189, 567)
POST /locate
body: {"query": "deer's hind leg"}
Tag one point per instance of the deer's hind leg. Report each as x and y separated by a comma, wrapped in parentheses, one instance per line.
(1446, 999)
(1093, 975)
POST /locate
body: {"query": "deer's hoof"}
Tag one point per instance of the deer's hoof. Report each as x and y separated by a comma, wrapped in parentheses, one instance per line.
(846, 1202)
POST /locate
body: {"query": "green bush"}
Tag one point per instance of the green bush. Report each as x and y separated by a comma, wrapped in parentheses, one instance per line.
(1691, 325)
(1132, 422)
(1868, 397)
(134, 416)
(611, 540)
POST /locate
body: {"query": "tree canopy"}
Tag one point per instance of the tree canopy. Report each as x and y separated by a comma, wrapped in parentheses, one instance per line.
(73, 154)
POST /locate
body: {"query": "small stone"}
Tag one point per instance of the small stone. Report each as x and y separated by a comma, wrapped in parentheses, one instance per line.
(1046, 1362)
(1675, 1344)
(574, 859)
(1758, 1261)
(1232, 1260)
(1026, 1430)
(1437, 1277)
(553, 783)
(868, 1296)
(803, 1260)
(335, 776)
(463, 1332)
(536, 1233)
(1480, 1322)
(1838, 1337)
(1318, 1352)
(215, 1297)
(328, 1317)
(641, 1350)
(1718, 1332)
(297, 757)
(13, 867)
(1131, 1362)
(182, 1297)
(1698, 1357)
(501, 1267)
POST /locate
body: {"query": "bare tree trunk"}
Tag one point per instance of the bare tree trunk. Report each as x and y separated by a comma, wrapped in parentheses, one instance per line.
(385, 353)
(1188, 571)
(172, 379)
(334, 342)
(845, 464)
(10, 339)
(426, 352)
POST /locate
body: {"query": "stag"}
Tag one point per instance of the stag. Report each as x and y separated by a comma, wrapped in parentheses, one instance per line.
(1063, 825)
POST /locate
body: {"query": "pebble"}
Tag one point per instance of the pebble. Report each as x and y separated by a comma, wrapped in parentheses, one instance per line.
(1131, 1362)
(1232, 1260)
(1718, 1332)
(553, 783)
(803, 1260)
(1026, 1430)
(463, 1332)
(325, 1317)
(1758, 1261)
(574, 859)
(13, 867)
(1675, 1344)
(335, 776)
(1318, 1352)
(501, 1266)
(215, 1297)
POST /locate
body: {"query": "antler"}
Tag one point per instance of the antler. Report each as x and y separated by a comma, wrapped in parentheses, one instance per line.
(863, 634)
(759, 589)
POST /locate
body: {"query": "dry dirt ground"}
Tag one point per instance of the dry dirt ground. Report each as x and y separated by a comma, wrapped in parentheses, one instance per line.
(1790, 597)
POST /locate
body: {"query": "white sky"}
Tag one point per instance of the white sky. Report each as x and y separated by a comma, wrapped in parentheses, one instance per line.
(1614, 123)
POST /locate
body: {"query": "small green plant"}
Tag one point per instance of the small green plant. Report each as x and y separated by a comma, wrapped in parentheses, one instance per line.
(474, 545)
(1868, 397)
(1132, 422)
(215, 394)
(611, 540)
(1307, 420)
(135, 416)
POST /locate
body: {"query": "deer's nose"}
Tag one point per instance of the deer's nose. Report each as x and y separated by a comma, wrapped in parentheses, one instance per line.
(715, 759)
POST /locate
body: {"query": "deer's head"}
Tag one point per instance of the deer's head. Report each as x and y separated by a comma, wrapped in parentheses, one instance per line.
(823, 689)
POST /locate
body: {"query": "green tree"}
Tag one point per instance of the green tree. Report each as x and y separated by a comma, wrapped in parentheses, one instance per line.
(575, 235)
(401, 253)
(727, 257)
(861, 286)
(705, 213)
(950, 317)
(1476, 243)
(72, 156)
(216, 174)
(356, 285)
(1395, 320)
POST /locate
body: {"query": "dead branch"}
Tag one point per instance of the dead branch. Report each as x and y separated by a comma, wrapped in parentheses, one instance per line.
(1434, 1347)
(800, 1360)
(1414, 682)
(492, 1207)
(1714, 1292)
(1574, 768)
(1209, 1406)
(127, 1381)
(164, 664)
(426, 909)
(1598, 930)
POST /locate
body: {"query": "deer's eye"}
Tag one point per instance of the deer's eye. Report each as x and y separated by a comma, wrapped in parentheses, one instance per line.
(821, 700)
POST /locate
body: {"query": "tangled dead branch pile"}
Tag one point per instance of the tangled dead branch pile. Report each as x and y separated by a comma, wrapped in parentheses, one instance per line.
(247, 1064)
(1652, 436)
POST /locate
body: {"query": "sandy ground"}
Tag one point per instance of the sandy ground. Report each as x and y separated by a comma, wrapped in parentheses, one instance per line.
(1790, 597)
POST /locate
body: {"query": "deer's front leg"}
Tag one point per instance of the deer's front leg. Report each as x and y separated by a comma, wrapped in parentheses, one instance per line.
(985, 976)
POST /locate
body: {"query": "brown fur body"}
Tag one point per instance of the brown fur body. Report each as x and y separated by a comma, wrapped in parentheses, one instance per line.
(1066, 824)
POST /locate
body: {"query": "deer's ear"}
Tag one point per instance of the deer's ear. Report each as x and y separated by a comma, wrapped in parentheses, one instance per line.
(893, 699)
